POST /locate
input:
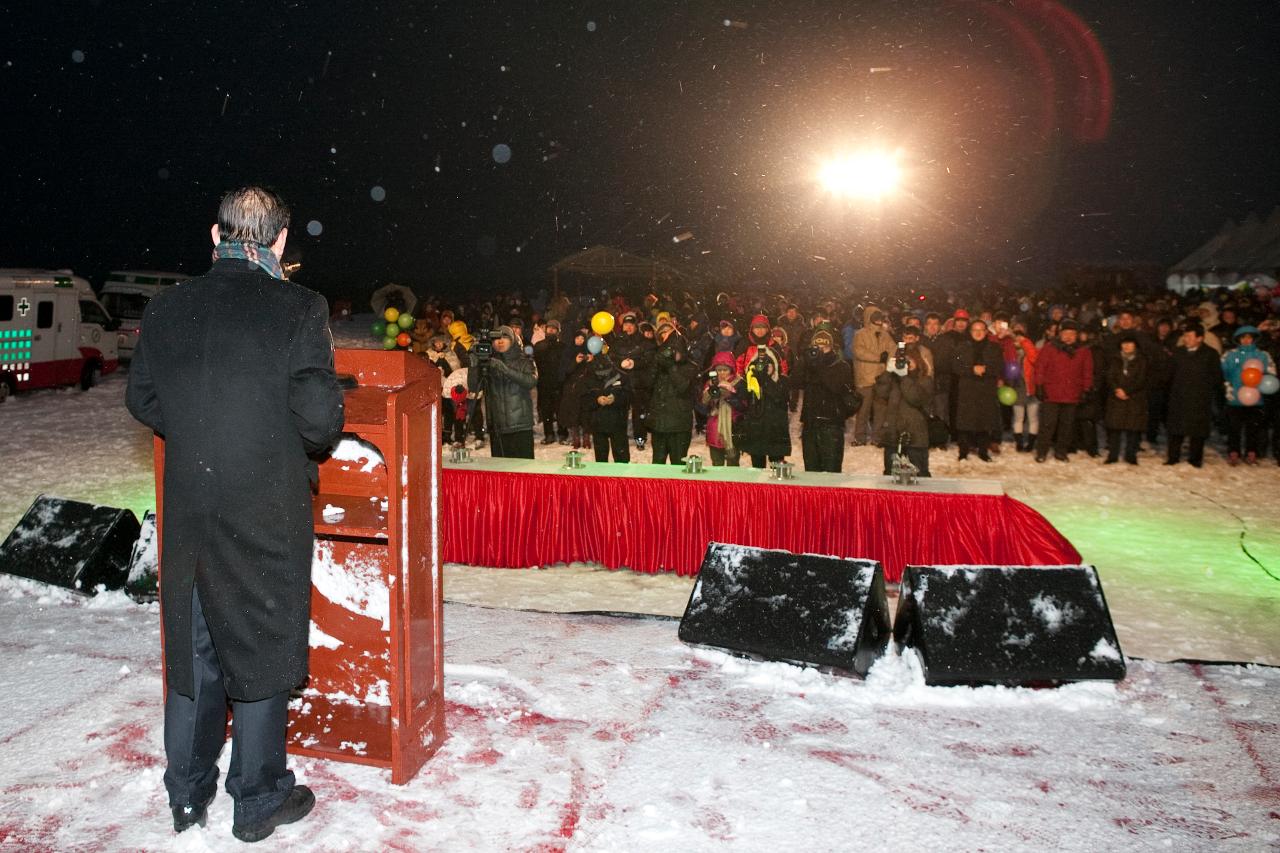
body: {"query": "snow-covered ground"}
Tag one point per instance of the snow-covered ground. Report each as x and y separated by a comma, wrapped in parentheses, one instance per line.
(599, 733)
(591, 732)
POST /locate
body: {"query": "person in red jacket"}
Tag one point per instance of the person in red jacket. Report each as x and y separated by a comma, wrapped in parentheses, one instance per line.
(1064, 372)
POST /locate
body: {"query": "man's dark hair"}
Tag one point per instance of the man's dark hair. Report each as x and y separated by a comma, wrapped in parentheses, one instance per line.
(252, 215)
(1195, 328)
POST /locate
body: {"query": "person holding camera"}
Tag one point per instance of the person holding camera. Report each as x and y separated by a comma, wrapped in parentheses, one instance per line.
(828, 401)
(503, 378)
(904, 395)
(766, 433)
(670, 418)
(723, 397)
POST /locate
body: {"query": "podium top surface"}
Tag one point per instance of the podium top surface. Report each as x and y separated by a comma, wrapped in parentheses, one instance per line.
(726, 474)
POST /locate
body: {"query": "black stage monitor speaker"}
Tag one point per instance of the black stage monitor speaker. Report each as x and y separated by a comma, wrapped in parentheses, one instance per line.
(71, 544)
(1013, 625)
(800, 608)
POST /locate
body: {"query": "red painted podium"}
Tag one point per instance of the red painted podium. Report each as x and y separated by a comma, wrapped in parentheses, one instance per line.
(375, 694)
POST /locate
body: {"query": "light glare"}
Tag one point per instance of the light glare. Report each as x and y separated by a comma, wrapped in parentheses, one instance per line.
(869, 175)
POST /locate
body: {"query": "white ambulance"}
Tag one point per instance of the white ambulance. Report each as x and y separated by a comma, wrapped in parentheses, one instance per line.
(53, 331)
(125, 296)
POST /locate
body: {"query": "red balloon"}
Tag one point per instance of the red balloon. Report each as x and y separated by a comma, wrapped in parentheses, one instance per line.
(1251, 376)
(403, 339)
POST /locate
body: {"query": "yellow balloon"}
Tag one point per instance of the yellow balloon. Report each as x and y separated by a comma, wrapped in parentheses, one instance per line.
(602, 323)
(391, 315)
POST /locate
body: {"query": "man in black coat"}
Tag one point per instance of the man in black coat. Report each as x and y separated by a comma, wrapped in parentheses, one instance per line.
(828, 392)
(548, 353)
(234, 369)
(1195, 380)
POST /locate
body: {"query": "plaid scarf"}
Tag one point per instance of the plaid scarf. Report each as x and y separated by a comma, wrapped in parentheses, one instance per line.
(254, 253)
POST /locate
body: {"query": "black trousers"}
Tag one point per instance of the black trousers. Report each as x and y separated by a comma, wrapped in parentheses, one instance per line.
(1195, 453)
(1131, 440)
(917, 456)
(518, 445)
(1057, 428)
(548, 406)
(1247, 420)
(670, 447)
(195, 728)
(759, 460)
(822, 446)
(601, 441)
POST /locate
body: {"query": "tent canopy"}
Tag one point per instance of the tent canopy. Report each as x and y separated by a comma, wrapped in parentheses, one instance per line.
(608, 262)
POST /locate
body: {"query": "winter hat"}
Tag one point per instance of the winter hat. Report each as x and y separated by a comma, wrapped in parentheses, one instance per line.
(457, 329)
(506, 332)
(1246, 330)
(960, 314)
(553, 324)
(760, 320)
(629, 317)
(724, 358)
(1068, 326)
(726, 324)
(663, 317)
(779, 334)
(822, 336)
(664, 328)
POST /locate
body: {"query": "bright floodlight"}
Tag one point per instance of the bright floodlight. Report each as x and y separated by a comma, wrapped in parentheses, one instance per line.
(870, 175)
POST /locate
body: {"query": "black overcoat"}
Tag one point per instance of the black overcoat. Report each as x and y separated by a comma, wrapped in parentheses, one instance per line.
(1195, 379)
(1134, 378)
(235, 370)
(977, 407)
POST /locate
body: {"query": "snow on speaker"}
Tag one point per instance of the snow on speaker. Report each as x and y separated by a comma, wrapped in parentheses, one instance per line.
(800, 608)
(1012, 625)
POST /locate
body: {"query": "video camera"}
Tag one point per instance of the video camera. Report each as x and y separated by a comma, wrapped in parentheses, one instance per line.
(482, 349)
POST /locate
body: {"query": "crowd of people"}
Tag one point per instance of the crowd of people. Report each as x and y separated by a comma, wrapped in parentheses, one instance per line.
(1045, 373)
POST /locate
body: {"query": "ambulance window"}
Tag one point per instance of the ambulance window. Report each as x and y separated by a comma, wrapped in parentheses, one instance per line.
(44, 314)
(6, 309)
(91, 313)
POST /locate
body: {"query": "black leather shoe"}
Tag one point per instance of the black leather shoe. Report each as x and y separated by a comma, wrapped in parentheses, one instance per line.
(295, 807)
(185, 817)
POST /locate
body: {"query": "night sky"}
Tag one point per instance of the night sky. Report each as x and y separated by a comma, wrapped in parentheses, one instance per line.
(631, 123)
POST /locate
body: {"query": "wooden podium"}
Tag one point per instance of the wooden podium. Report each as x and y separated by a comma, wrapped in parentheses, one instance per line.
(375, 694)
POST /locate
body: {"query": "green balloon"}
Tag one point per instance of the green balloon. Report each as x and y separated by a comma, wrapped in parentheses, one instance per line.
(388, 343)
(1007, 395)
(379, 328)
(406, 321)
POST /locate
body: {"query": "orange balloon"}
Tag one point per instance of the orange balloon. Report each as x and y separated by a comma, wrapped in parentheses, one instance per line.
(1251, 376)
(403, 339)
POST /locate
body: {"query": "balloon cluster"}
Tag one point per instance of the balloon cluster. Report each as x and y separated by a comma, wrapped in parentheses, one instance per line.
(393, 329)
(601, 324)
(1254, 383)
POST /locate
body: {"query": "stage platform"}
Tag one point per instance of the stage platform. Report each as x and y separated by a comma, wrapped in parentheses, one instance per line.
(521, 513)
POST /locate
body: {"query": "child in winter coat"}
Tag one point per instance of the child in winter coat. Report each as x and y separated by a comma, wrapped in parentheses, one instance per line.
(723, 398)
(1244, 408)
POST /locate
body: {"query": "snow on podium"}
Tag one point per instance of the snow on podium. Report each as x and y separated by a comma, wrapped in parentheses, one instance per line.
(375, 694)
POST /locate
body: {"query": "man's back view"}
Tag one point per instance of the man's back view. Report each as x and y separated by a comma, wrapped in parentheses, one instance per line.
(234, 369)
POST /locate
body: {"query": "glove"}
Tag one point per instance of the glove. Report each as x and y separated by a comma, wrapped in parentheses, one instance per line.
(900, 371)
(884, 358)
